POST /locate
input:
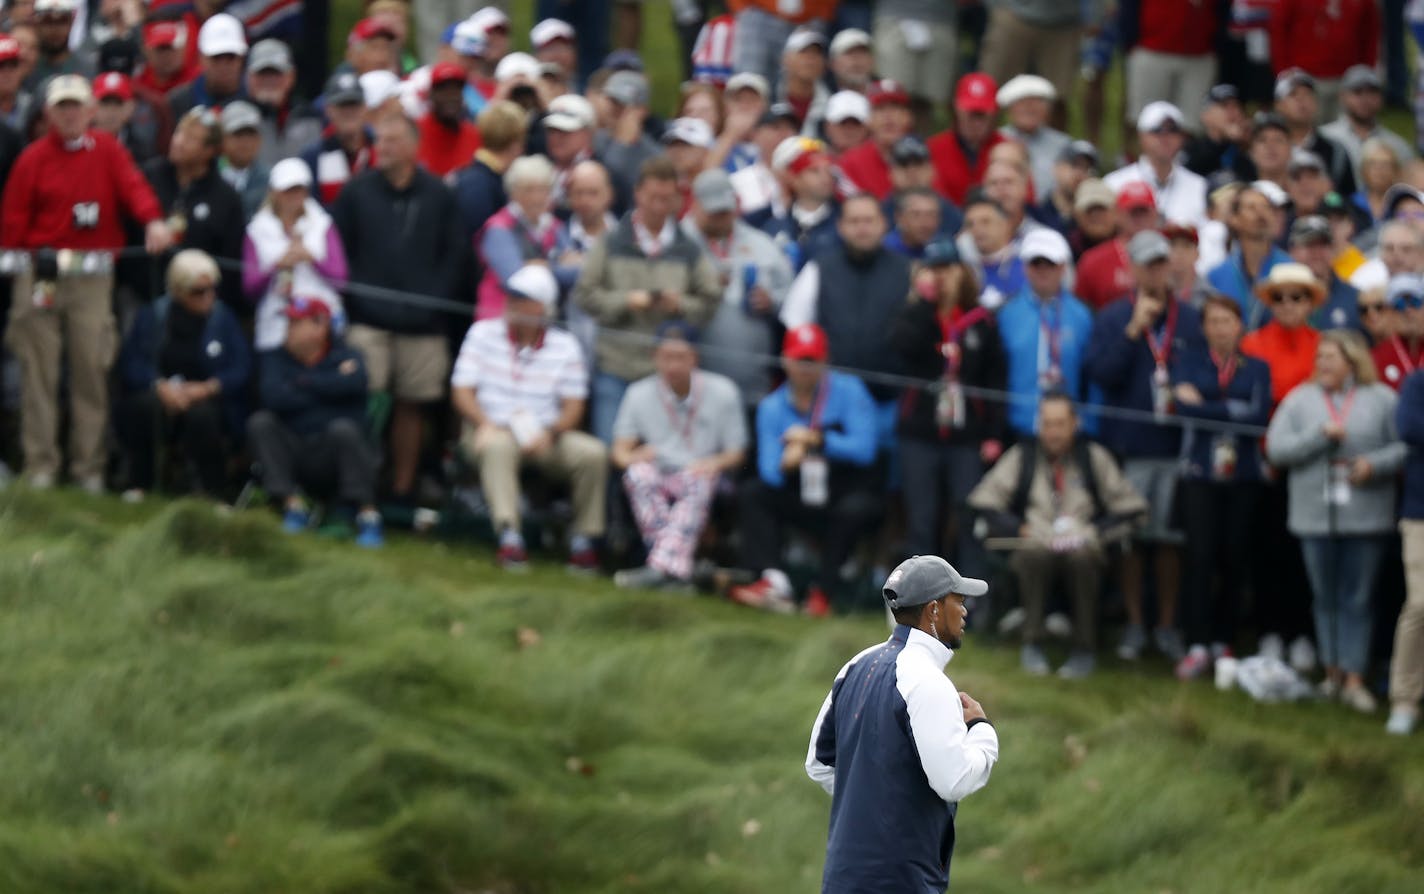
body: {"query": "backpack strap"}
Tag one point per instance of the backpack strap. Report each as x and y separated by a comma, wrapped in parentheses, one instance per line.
(1028, 452)
(1083, 455)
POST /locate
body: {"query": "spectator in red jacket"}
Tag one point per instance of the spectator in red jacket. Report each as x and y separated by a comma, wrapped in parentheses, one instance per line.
(868, 165)
(1323, 38)
(448, 138)
(70, 190)
(1173, 55)
(961, 153)
(1104, 274)
(166, 60)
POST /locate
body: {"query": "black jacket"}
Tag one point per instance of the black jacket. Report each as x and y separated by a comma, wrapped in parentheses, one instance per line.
(858, 301)
(309, 398)
(916, 337)
(407, 240)
(211, 211)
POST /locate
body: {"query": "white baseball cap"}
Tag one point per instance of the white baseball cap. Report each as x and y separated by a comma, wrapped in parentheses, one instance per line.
(1047, 244)
(849, 39)
(289, 173)
(570, 113)
(220, 35)
(550, 30)
(379, 86)
(847, 105)
(1156, 114)
(693, 131)
(489, 17)
(534, 282)
(1026, 86)
(516, 64)
(748, 80)
(69, 88)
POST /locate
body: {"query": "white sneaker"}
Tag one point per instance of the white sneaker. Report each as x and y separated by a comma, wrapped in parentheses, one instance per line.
(1134, 640)
(1328, 689)
(40, 481)
(132, 495)
(1011, 621)
(93, 485)
(1272, 646)
(1359, 698)
(1402, 720)
(1302, 655)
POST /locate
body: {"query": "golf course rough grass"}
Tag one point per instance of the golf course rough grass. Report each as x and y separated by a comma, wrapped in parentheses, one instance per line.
(197, 703)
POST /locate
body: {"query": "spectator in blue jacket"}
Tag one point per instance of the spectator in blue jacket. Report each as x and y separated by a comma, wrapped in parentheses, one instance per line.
(1406, 667)
(1045, 330)
(816, 449)
(807, 226)
(184, 367)
(1136, 340)
(1216, 384)
(479, 188)
(310, 437)
(1253, 253)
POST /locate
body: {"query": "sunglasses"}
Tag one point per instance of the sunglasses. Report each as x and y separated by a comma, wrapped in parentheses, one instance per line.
(1293, 297)
(1411, 302)
(9, 64)
(202, 290)
(1372, 307)
(1041, 262)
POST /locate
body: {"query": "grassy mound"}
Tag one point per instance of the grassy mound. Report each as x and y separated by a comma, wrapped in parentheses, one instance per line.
(196, 703)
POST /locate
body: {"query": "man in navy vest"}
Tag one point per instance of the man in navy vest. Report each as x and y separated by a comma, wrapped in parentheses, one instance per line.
(897, 747)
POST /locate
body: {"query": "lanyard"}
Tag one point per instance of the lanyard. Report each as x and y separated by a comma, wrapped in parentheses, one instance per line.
(818, 405)
(1339, 416)
(1404, 359)
(516, 365)
(953, 328)
(720, 251)
(1051, 332)
(1162, 350)
(682, 426)
(1225, 371)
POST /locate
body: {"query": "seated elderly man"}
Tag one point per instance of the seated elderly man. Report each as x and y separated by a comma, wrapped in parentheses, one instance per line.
(183, 368)
(310, 436)
(521, 387)
(676, 433)
(1056, 502)
(816, 449)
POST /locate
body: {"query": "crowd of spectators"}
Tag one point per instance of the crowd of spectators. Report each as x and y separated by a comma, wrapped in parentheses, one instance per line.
(859, 295)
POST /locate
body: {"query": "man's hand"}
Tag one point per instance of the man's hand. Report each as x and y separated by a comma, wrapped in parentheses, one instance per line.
(792, 456)
(197, 392)
(640, 300)
(739, 125)
(802, 435)
(990, 451)
(1361, 471)
(759, 300)
(926, 285)
(1145, 312)
(972, 709)
(670, 301)
(539, 445)
(485, 434)
(571, 258)
(173, 396)
(1334, 431)
(707, 465)
(157, 238)
(643, 453)
(1188, 394)
(628, 126)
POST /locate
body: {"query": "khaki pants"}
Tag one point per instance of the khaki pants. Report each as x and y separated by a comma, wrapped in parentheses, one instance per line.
(1181, 80)
(1037, 569)
(81, 319)
(1013, 46)
(1406, 669)
(576, 457)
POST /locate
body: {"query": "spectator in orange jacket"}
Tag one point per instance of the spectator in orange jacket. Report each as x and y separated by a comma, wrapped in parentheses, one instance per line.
(1287, 343)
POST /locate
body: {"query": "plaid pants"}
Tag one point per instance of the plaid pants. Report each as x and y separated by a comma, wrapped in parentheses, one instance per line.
(671, 510)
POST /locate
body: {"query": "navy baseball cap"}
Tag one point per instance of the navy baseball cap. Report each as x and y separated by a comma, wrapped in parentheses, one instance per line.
(922, 579)
(941, 253)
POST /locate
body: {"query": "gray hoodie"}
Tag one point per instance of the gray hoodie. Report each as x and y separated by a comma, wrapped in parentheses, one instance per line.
(1295, 441)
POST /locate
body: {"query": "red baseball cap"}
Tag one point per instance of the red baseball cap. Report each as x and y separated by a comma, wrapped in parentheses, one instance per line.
(977, 92)
(885, 92)
(806, 342)
(165, 34)
(304, 308)
(9, 48)
(445, 73)
(113, 84)
(369, 28)
(1136, 195)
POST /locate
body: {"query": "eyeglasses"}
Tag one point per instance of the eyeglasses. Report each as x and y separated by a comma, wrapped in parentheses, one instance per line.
(1411, 302)
(1372, 307)
(1293, 297)
(1041, 263)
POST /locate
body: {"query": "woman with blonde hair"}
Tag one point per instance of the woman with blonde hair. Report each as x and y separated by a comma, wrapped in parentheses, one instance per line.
(1336, 436)
(291, 247)
(1380, 168)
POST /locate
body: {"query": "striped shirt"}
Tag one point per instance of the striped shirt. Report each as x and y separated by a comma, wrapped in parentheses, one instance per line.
(535, 379)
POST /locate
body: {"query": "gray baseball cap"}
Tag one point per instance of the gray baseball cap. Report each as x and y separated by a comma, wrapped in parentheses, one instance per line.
(270, 54)
(713, 191)
(627, 88)
(1147, 247)
(240, 115)
(922, 579)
